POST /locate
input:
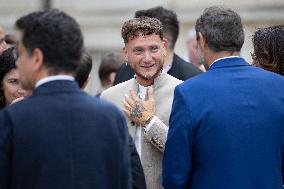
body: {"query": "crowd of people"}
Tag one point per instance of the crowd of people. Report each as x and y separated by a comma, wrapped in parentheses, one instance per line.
(160, 122)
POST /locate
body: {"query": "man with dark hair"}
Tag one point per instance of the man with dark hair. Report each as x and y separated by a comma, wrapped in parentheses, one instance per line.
(226, 126)
(84, 69)
(173, 65)
(59, 137)
(147, 98)
(109, 66)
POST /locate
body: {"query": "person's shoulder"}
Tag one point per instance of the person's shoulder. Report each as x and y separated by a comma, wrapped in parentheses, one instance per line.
(171, 80)
(268, 75)
(187, 68)
(197, 81)
(121, 87)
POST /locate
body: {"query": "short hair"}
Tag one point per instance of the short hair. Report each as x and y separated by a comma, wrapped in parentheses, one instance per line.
(222, 29)
(84, 69)
(169, 21)
(111, 62)
(141, 26)
(57, 35)
(7, 62)
(268, 46)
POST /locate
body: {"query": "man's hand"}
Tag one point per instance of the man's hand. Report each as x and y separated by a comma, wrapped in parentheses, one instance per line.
(137, 110)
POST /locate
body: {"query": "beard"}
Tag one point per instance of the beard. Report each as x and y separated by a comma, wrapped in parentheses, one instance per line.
(149, 76)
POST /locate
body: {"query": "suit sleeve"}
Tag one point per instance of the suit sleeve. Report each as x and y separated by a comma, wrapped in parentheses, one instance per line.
(177, 160)
(157, 134)
(126, 177)
(282, 167)
(5, 151)
(138, 178)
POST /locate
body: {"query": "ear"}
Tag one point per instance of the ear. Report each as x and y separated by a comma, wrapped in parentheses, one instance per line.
(112, 77)
(201, 40)
(37, 57)
(86, 83)
(165, 43)
(125, 54)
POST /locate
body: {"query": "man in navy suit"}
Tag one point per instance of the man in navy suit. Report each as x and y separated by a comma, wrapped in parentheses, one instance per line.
(227, 125)
(59, 137)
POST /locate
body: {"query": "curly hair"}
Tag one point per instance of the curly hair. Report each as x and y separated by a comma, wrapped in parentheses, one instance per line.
(7, 62)
(268, 46)
(141, 26)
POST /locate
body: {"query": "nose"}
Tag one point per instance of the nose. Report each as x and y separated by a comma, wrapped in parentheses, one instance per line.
(147, 56)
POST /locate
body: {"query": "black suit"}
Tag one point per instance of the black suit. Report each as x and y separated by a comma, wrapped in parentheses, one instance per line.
(62, 138)
(180, 69)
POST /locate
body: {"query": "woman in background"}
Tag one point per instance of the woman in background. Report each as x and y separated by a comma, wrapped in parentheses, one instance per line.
(268, 46)
(10, 88)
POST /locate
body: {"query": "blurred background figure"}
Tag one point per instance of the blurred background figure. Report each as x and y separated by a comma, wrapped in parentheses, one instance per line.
(9, 77)
(268, 44)
(3, 45)
(11, 40)
(193, 52)
(2, 33)
(83, 71)
(109, 66)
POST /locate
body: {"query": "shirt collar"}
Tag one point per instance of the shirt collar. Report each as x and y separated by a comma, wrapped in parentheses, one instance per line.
(53, 78)
(227, 57)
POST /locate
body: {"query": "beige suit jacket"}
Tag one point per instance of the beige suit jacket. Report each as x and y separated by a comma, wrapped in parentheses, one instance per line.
(152, 142)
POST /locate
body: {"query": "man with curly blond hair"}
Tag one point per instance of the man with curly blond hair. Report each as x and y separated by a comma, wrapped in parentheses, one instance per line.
(147, 98)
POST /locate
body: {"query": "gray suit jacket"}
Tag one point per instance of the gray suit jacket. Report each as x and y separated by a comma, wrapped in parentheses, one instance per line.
(154, 140)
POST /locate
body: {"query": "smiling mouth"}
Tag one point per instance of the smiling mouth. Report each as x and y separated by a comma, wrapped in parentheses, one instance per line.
(148, 66)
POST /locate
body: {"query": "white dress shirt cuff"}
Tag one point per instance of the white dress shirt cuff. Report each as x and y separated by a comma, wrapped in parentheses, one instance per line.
(148, 127)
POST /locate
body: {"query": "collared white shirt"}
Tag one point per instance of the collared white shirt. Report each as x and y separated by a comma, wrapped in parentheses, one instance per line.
(53, 78)
(223, 59)
(142, 92)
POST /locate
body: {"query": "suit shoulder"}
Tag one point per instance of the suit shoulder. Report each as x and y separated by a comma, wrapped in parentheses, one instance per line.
(170, 80)
(187, 67)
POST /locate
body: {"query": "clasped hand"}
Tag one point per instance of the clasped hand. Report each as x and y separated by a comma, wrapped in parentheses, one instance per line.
(137, 110)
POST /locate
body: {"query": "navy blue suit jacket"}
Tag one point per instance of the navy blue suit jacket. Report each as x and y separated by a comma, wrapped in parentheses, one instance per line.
(61, 138)
(226, 130)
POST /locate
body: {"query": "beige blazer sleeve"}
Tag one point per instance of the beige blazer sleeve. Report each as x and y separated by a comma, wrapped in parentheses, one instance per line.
(157, 134)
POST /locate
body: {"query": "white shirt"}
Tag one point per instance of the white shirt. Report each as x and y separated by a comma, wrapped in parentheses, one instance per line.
(142, 91)
(53, 78)
(223, 59)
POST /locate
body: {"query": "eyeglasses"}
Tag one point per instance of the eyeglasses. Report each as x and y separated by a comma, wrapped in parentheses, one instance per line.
(253, 56)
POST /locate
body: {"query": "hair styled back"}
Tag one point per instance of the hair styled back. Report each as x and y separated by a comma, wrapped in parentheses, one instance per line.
(141, 26)
(222, 29)
(168, 19)
(57, 35)
(268, 46)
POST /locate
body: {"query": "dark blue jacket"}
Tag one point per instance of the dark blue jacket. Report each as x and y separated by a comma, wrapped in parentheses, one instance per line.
(226, 130)
(61, 138)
